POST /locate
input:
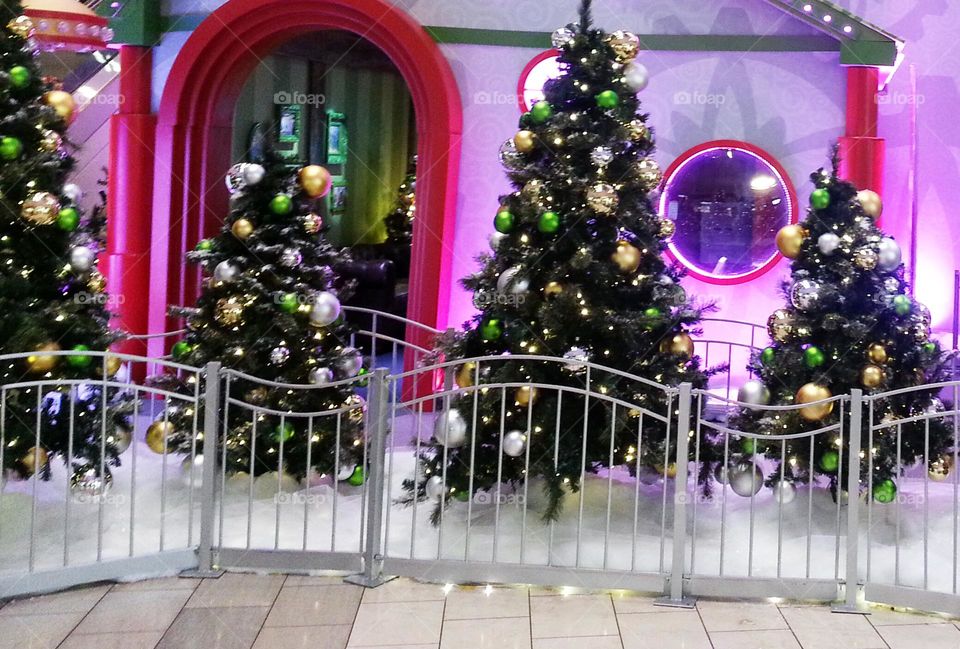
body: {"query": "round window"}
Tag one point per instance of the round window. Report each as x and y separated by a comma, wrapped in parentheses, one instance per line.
(538, 71)
(728, 200)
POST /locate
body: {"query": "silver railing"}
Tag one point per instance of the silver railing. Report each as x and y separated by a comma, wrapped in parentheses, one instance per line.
(673, 529)
(730, 343)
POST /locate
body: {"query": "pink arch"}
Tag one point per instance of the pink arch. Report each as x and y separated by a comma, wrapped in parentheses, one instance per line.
(195, 129)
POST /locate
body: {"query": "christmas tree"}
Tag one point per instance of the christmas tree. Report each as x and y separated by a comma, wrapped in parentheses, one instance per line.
(270, 308)
(849, 323)
(51, 293)
(576, 273)
(399, 222)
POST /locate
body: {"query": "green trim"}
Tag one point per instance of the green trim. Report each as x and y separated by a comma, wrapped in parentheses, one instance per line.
(868, 53)
(498, 37)
(183, 22)
(137, 23)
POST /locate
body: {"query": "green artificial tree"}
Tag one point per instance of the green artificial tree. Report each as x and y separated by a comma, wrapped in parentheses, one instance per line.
(51, 293)
(270, 307)
(399, 222)
(577, 273)
(849, 323)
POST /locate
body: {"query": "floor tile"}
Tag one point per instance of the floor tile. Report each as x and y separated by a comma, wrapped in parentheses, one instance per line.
(929, 636)
(314, 605)
(625, 602)
(667, 631)
(303, 637)
(79, 600)
(233, 589)
(397, 623)
(314, 580)
(167, 583)
(818, 628)
(472, 603)
(497, 633)
(404, 590)
(576, 615)
(739, 616)
(215, 628)
(139, 640)
(135, 611)
(779, 639)
(885, 615)
(594, 642)
(36, 631)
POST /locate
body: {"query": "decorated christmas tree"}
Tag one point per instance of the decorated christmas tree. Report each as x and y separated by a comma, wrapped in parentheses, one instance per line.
(576, 273)
(849, 323)
(399, 222)
(51, 293)
(270, 308)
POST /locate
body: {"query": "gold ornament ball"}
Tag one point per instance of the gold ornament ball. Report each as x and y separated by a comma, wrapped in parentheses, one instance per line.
(40, 208)
(866, 258)
(242, 228)
(939, 469)
(552, 289)
(229, 311)
(872, 376)
(871, 203)
(625, 45)
(810, 393)
(526, 394)
(62, 103)
(257, 396)
(533, 190)
(315, 181)
(680, 344)
(21, 26)
(638, 130)
(312, 223)
(667, 228)
(35, 460)
(465, 375)
(780, 325)
(113, 365)
(649, 172)
(524, 141)
(877, 353)
(157, 435)
(97, 282)
(50, 141)
(670, 472)
(626, 257)
(42, 363)
(790, 238)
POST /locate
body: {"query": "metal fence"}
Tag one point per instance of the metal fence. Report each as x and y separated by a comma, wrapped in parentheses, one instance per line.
(626, 527)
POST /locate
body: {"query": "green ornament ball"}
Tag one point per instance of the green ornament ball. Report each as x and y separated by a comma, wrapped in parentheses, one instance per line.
(180, 349)
(80, 361)
(820, 199)
(289, 302)
(813, 356)
(549, 222)
(748, 445)
(68, 219)
(283, 433)
(608, 99)
(885, 491)
(461, 496)
(204, 244)
(767, 356)
(651, 312)
(281, 204)
(357, 477)
(363, 382)
(19, 76)
(902, 305)
(10, 148)
(491, 329)
(504, 221)
(829, 461)
(541, 112)
(930, 348)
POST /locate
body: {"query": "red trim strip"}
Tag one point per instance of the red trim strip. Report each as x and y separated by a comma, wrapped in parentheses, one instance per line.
(66, 15)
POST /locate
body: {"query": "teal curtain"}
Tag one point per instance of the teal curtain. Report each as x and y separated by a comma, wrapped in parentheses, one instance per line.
(378, 111)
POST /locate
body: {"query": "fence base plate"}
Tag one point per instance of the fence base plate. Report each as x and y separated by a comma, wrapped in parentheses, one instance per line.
(367, 582)
(685, 602)
(202, 574)
(850, 610)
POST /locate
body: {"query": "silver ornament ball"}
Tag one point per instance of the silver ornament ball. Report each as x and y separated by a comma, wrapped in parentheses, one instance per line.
(81, 259)
(321, 375)
(86, 483)
(496, 239)
(225, 272)
(563, 37)
(433, 488)
(450, 429)
(514, 443)
(754, 392)
(746, 479)
(325, 309)
(279, 355)
(291, 257)
(72, 192)
(510, 282)
(889, 255)
(601, 156)
(805, 294)
(636, 76)
(580, 357)
(349, 363)
(784, 492)
(828, 243)
(253, 173)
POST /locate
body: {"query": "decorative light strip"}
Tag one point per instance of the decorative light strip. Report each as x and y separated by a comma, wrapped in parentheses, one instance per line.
(56, 30)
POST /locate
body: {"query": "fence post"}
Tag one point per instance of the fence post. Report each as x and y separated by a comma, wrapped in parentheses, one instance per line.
(676, 598)
(376, 424)
(853, 507)
(208, 486)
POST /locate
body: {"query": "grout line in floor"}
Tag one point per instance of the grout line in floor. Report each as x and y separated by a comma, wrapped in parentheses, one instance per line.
(84, 616)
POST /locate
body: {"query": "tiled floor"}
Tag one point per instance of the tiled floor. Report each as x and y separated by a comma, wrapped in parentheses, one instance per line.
(276, 612)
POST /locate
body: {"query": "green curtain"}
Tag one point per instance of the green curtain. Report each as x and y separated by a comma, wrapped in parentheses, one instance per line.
(378, 111)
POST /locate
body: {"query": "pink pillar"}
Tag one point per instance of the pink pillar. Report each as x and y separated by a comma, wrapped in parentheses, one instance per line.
(861, 150)
(130, 195)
